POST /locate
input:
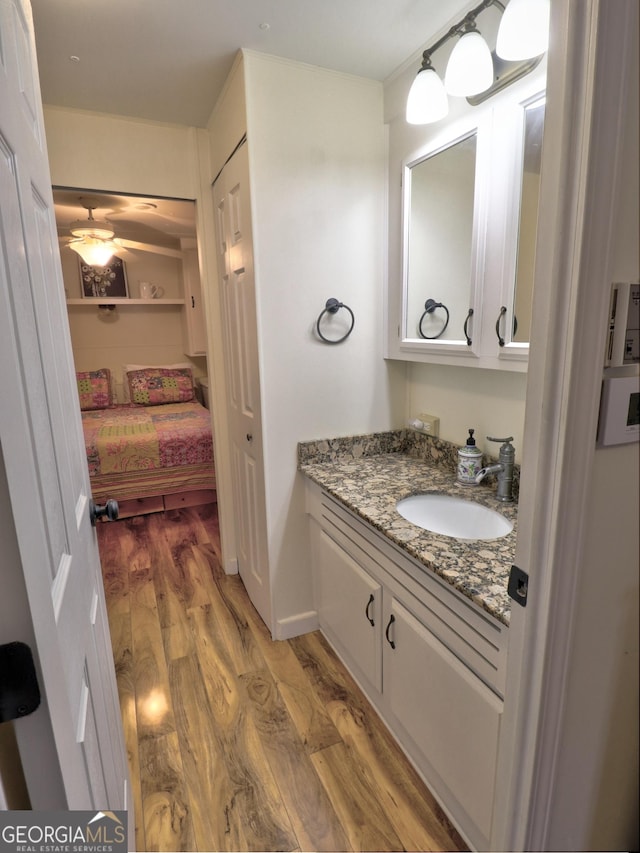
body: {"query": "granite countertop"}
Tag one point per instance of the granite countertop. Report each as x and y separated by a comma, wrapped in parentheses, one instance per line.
(371, 483)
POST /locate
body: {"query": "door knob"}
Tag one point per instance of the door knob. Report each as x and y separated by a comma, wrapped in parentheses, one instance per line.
(19, 690)
(249, 437)
(110, 510)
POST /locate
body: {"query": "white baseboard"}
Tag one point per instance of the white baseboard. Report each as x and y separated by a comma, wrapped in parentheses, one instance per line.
(293, 626)
(231, 567)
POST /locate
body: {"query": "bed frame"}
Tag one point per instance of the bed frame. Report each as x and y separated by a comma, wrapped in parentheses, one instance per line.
(159, 503)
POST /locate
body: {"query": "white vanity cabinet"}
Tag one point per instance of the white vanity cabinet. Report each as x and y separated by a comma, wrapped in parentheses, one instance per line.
(429, 660)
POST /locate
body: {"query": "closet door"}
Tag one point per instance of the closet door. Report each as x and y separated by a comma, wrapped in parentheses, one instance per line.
(237, 293)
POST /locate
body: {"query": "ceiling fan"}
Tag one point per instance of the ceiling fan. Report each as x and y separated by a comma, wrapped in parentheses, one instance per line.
(170, 216)
(96, 242)
(93, 238)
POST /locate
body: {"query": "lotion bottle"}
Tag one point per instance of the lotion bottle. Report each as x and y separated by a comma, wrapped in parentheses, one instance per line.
(469, 461)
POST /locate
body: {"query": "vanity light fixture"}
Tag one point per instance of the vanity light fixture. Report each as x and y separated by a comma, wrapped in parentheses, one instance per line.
(524, 29)
(427, 100)
(470, 67)
(473, 71)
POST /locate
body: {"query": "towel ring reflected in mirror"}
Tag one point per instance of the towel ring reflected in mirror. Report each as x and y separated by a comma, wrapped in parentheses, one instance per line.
(429, 307)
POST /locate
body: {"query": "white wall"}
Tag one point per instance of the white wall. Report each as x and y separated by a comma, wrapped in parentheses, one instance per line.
(490, 401)
(228, 122)
(128, 335)
(105, 152)
(165, 272)
(111, 153)
(317, 161)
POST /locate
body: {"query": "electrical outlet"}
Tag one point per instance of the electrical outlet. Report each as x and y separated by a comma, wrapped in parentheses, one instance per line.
(431, 424)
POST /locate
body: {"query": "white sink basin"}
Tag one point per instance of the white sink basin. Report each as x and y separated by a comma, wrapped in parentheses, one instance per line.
(456, 517)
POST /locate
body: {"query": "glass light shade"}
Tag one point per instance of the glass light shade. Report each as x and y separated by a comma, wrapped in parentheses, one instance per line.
(99, 228)
(470, 67)
(94, 252)
(427, 100)
(524, 29)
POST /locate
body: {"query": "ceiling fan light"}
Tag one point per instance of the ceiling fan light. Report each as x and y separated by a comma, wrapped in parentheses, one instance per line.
(427, 100)
(93, 251)
(470, 67)
(100, 229)
(524, 29)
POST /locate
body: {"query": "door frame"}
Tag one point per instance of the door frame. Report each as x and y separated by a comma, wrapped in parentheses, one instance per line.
(579, 189)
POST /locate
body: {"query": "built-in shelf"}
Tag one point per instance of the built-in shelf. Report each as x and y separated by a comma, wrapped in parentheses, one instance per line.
(123, 301)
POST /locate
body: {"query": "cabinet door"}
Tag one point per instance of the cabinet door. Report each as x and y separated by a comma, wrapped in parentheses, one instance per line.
(350, 608)
(448, 712)
(195, 329)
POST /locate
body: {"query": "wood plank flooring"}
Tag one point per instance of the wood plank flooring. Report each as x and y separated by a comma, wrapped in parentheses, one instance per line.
(236, 742)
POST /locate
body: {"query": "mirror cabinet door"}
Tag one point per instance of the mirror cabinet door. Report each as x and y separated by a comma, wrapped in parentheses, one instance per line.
(439, 258)
(522, 148)
(470, 210)
(533, 124)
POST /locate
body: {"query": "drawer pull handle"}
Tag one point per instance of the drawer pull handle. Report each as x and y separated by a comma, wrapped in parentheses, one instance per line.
(366, 610)
(392, 619)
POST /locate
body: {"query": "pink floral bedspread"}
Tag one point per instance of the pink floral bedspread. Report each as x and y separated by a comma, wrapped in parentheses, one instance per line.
(136, 438)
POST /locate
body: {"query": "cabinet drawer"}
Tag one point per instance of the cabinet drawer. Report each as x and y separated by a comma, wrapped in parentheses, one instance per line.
(193, 498)
(140, 506)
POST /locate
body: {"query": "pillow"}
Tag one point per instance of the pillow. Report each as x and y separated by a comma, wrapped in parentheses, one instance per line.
(94, 389)
(155, 386)
(128, 367)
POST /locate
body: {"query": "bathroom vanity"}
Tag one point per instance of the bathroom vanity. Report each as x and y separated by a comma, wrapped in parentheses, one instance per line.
(421, 620)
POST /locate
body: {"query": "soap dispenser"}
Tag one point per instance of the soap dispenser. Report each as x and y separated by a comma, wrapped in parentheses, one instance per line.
(469, 461)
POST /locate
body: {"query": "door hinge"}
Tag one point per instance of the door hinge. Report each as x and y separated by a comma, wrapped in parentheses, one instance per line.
(518, 587)
(19, 691)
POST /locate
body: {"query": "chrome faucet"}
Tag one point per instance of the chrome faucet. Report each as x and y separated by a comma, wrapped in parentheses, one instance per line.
(503, 468)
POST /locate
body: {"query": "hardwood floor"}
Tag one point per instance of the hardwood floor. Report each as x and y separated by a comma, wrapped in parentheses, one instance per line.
(236, 742)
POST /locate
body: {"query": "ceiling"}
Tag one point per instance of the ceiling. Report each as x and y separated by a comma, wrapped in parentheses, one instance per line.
(152, 221)
(167, 60)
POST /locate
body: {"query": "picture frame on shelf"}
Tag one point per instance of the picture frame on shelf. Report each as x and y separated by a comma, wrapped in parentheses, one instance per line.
(105, 282)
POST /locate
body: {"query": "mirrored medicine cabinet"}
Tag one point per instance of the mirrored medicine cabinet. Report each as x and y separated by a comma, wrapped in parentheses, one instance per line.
(469, 221)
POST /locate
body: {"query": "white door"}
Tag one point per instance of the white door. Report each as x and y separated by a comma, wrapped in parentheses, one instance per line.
(54, 572)
(237, 289)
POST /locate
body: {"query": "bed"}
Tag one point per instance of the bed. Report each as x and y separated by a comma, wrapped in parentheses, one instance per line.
(154, 452)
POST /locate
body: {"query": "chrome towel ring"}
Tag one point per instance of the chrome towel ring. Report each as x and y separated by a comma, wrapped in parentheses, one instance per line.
(332, 306)
(429, 307)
